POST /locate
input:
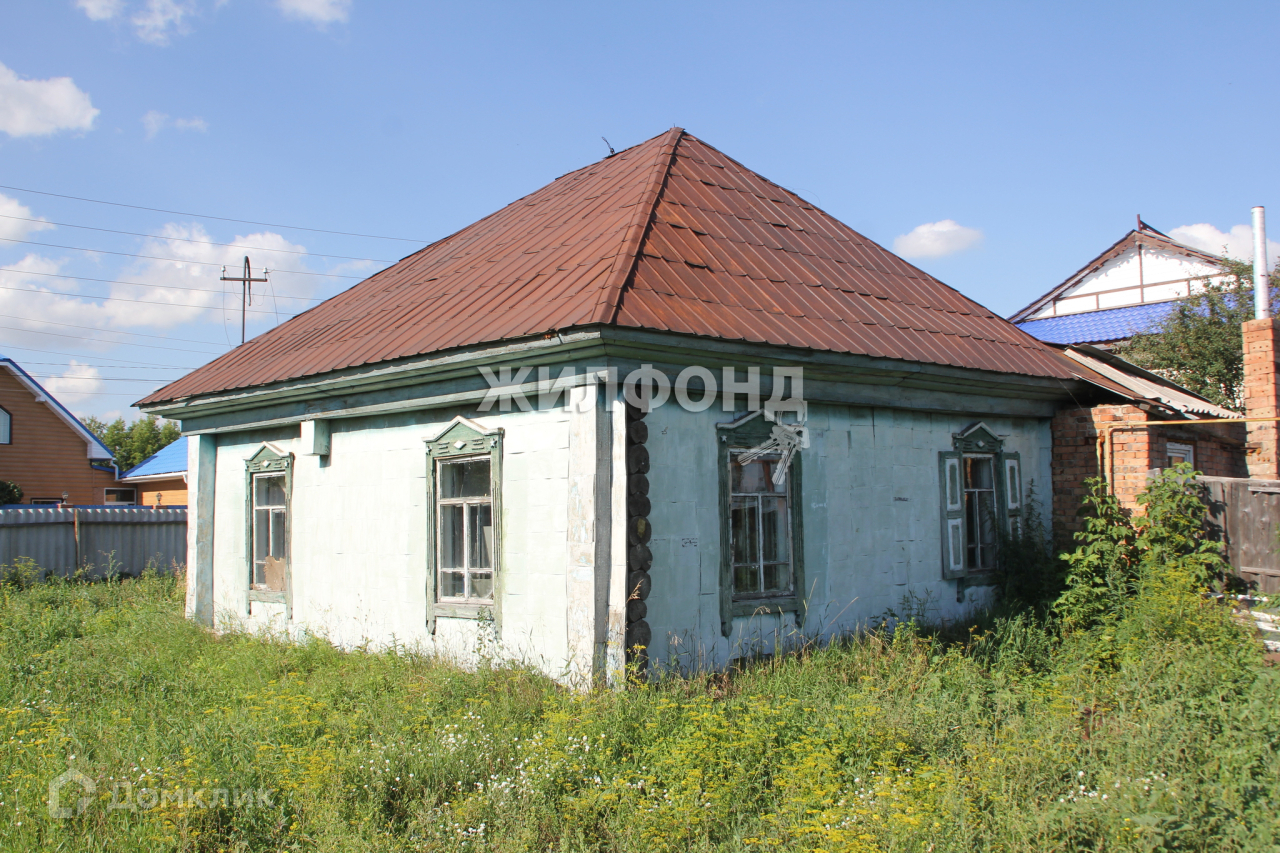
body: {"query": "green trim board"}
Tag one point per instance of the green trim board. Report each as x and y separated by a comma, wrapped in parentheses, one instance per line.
(269, 459)
(743, 434)
(460, 438)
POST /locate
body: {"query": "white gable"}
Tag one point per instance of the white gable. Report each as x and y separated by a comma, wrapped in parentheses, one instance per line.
(1158, 276)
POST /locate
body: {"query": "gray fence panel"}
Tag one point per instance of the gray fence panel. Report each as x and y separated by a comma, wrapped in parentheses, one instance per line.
(1245, 516)
(63, 539)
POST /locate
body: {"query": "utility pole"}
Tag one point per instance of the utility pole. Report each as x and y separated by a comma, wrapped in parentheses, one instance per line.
(246, 289)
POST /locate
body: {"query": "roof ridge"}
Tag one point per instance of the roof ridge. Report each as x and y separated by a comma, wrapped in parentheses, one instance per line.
(624, 263)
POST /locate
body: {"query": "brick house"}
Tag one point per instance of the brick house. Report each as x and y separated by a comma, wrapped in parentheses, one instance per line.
(45, 449)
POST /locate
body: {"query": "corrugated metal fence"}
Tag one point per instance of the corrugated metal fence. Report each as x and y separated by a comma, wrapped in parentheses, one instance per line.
(1245, 515)
(62, 539)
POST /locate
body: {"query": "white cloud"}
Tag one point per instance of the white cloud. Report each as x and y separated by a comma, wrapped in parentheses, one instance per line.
(935, 239)
(155, 121)
(101, 10)
(77, 383)
(40, 107)
(17, 229)
(171, 281)
(160, 19)
(1236, 243)
(318, 12)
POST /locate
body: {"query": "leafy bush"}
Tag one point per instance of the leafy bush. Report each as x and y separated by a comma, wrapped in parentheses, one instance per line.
(1015, 739)
(10, 492)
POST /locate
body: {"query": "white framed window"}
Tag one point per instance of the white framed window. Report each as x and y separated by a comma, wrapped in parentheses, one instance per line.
(979, 511)
(270, 527)
(6, 427)
(124, 497)
(759, 529)
(1180, 453)
(981, 496)
(464, 530)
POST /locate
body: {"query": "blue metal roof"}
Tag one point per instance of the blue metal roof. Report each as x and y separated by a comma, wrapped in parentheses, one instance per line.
(168, 460)
(1092, 327)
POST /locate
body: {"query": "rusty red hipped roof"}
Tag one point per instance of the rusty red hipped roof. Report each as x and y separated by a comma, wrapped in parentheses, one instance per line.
(670, 235)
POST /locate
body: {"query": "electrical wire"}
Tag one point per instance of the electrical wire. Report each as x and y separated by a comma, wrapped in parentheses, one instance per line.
(112, 366)
(219, 218)
(119, 298)
(109, 331)
(138, 284)
(174, 260)
(190, 240)
(81, 338)
(79, 355)
(102, 378)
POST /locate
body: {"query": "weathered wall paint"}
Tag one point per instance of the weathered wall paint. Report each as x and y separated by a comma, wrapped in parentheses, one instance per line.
(871, 525)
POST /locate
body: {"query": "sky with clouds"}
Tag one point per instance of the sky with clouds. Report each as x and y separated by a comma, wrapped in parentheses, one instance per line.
(999, 146)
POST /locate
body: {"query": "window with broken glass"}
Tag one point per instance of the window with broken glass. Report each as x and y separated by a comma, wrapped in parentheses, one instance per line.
(464, 527)
(759, 529)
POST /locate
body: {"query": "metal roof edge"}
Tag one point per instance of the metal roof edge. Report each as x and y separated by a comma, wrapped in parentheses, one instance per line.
(43, 396)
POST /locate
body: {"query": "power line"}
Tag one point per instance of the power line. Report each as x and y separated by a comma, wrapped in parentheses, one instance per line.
(118, 298)
(139, 284)
(112, 366)
(79, 355)
(175, 260)
(101, 378)
(109, 331)
(81, 337)
(219, 218)
(189, 240)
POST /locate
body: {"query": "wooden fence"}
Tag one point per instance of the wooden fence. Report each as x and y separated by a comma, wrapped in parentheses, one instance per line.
(62, 540)
(1245, 515)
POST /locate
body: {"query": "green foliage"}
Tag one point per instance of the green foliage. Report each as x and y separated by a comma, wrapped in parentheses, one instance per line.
(10, 492)
(1102, 572)
(1027, 570)
(1200, 344)
(132, 443)
(1119, 555)
(1012, 739)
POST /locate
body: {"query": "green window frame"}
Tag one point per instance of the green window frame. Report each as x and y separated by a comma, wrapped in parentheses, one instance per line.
(268, 520)
(980, 496)
(737, 504)
(456, 504)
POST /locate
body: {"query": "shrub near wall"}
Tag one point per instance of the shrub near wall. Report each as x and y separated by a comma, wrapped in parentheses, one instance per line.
(1015, 738)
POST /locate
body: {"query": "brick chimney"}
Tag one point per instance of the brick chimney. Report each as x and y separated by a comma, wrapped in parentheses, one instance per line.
(1262, 395)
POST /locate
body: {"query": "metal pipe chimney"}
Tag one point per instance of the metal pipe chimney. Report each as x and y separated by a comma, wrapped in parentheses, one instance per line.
(1261, 283)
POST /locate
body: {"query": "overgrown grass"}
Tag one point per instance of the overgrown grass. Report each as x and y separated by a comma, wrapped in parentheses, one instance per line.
(1133, 735)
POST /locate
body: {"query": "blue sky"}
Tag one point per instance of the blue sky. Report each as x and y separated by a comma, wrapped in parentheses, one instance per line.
(1037, 130)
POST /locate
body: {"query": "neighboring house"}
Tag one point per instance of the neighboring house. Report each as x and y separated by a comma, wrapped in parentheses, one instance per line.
(348, 476)
(1129, 288)
(47, 451)
(161, 479)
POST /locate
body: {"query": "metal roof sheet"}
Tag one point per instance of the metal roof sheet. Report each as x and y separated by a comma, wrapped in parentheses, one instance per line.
(170, 459)
(1147, 385)
(1096, 327)
(670, 235)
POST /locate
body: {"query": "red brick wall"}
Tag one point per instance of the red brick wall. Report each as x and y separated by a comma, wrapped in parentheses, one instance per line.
(1219, 451)
(1262, 395)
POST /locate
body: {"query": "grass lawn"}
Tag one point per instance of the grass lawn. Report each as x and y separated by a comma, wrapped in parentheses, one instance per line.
(1008, 739)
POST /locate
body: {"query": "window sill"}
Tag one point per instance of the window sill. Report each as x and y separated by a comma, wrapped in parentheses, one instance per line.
(267, 595)
(458, 610)
(758, 606)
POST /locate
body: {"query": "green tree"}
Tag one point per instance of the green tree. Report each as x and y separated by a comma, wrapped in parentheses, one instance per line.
(132, 443)
(1200, 344)
(10, 492)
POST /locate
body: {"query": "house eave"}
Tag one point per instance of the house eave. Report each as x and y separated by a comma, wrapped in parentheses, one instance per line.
(454, 379)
